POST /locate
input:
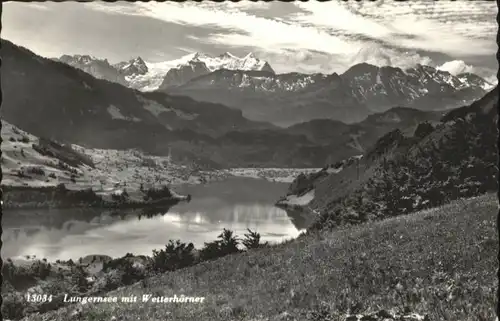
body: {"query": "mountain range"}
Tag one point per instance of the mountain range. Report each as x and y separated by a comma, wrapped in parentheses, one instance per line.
(145, 76)
(251, 85)
(69, 105)
(363, 89)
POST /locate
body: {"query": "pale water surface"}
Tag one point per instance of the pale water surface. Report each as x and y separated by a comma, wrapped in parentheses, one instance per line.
(235, 204)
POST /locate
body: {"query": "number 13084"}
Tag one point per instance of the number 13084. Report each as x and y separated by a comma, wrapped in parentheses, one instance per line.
(39, 298)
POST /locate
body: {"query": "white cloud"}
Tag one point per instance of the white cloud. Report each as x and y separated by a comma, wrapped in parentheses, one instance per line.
(320, 36)
(302, 61)
(333, 16)
(341, 30)
(379, 56)
(30, 5)
(240, 5)
(492, 79)
(432, 26)
(246, 30)
(456, 67)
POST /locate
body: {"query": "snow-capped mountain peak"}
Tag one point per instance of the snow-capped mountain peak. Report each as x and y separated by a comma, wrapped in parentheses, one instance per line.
(147, 76)
(232, 62)
(469, 79)
(192, 65)
(135, 66)
(198, 56)
(139, 60)
(80, 59)
(228, 55)
(250, 55)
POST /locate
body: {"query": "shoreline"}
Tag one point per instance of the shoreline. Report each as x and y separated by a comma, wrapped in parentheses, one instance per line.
(25, 206)
(32, 198)
(56, 197)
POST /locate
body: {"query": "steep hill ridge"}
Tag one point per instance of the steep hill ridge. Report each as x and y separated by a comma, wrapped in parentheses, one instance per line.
(400, 173)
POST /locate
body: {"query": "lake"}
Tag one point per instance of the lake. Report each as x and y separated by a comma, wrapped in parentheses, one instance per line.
(235, 204)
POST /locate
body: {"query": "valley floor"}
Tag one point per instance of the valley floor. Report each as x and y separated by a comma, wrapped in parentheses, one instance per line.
(282, 175)
(31, 164)
(440, 263)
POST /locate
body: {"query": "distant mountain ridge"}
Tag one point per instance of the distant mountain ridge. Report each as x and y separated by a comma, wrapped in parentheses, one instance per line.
(99, 68)
(144, 76)
(287, 99)
(251, 85)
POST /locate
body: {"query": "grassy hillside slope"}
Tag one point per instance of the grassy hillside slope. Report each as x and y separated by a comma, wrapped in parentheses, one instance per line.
(438, 262)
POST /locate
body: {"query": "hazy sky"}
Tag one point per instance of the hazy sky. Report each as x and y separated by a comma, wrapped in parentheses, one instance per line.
(304, 37)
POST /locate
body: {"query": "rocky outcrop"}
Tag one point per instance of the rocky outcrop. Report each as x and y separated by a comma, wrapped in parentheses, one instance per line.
(135, 66)
(184, 73)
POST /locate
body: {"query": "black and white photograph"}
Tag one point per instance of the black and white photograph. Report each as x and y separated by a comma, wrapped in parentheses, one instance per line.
(249, 160)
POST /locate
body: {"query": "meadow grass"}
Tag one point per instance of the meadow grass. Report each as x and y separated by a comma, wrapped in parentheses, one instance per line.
(440, 262)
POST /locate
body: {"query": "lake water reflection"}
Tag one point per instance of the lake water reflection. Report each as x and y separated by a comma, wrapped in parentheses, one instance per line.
(235, 204)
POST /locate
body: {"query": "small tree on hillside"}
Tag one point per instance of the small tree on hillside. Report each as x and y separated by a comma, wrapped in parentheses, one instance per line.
(227, 244)
(423, 129)
(252, 240)
(79, 279)
(176, 255)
